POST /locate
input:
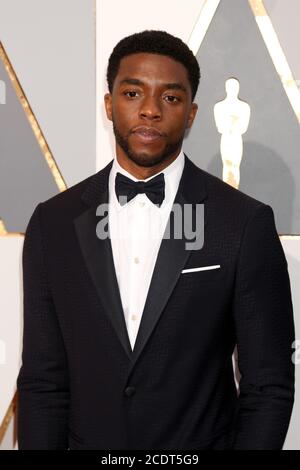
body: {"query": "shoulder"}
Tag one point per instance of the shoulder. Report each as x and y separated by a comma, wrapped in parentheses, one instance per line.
(225, 202)
(64, 206)
(75, 199)
(218, 188)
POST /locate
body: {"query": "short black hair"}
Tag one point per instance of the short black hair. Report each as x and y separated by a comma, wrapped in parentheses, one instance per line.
(154, 42)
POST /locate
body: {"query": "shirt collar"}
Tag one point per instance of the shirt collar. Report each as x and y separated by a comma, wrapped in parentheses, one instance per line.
(172, 174)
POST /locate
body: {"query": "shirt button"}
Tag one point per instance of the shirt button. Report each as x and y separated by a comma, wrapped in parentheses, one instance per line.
(136, 260)
(129, 391)
(133, 317)
(141, 204)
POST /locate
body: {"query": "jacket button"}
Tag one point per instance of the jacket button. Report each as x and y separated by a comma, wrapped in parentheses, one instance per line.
(129, 391)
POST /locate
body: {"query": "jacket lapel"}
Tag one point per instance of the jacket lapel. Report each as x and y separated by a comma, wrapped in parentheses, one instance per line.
(98, 255)
(171, 259)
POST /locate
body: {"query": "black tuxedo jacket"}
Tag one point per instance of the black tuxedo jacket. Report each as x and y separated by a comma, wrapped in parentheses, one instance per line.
(82, 387)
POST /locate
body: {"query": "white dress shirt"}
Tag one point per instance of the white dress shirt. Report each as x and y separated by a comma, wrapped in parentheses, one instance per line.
(136, 230)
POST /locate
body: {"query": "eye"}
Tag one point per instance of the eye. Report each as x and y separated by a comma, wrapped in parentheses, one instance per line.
(130, 94)
(172, 99)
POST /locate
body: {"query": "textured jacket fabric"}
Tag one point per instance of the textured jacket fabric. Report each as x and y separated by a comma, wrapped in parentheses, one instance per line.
(82, 387)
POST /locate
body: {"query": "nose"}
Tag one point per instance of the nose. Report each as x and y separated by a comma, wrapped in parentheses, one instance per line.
(150, 108)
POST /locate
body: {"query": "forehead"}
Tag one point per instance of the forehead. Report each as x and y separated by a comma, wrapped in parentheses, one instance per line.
(149, 67)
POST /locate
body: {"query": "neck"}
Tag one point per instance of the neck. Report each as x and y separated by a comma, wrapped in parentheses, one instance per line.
(142, 172)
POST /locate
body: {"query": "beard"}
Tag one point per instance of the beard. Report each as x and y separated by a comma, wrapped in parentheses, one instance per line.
(143, 159)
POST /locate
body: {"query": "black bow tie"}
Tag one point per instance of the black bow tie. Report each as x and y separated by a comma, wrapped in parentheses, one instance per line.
(154, 188)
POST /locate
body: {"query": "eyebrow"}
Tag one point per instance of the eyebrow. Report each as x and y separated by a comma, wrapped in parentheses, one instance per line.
(169, 86)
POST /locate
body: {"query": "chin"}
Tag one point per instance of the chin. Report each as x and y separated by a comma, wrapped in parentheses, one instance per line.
(146, 160)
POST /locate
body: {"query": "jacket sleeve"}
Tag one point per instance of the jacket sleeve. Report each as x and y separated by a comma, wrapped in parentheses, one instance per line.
(264, 324)
(43, 379)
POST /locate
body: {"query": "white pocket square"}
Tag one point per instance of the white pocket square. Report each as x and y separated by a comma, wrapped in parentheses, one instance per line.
(202, 268)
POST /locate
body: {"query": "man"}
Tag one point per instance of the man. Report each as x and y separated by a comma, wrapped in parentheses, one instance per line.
(128, 339)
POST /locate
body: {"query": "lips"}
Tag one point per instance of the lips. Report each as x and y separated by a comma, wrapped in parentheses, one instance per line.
(147, 134)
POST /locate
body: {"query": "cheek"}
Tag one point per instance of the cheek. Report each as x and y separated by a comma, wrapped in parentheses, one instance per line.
(178, 123)
(124, 115)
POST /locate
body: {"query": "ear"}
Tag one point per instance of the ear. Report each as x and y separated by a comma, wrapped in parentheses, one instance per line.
(108, 105)
(192, 115)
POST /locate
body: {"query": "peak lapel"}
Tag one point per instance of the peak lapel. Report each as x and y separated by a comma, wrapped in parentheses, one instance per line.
(171, 258)
(98, 257)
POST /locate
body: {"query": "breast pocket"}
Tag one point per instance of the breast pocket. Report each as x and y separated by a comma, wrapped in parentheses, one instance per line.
(204, 273)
